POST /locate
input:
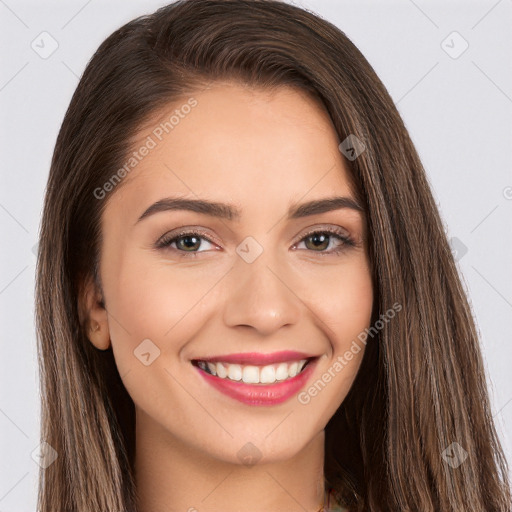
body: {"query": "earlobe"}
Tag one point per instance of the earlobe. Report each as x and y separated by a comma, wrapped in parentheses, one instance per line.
(94, 316)
(98, 335)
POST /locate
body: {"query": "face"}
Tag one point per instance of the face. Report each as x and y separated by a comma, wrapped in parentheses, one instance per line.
(183, 284)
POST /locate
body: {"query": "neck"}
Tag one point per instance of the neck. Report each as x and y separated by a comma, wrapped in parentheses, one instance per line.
(172, 475)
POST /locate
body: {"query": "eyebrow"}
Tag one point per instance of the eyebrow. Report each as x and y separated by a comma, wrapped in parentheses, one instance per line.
(231, 212)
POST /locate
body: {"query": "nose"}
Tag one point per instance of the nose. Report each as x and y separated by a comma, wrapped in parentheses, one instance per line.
(261, 297)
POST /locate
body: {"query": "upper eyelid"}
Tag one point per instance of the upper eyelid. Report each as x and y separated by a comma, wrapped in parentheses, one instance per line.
(172, 236)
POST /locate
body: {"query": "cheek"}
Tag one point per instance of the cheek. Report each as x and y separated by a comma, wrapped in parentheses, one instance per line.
(345, 304)
(141, 304)
(345, 311)
(153, 313)
(153, 300)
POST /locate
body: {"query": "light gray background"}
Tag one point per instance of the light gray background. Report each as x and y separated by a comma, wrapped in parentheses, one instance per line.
(456, 109)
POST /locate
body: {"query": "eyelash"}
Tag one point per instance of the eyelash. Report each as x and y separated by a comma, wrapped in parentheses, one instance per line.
(165, 242)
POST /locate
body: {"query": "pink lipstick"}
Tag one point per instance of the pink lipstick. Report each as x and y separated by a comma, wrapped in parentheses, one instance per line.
(259, 394)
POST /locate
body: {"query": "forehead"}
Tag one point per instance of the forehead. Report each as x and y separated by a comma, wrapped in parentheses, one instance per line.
(251, 146)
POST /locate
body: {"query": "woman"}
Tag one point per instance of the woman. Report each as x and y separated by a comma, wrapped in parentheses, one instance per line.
(245, 295)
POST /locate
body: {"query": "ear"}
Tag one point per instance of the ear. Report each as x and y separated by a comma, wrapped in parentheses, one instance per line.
(94, 315)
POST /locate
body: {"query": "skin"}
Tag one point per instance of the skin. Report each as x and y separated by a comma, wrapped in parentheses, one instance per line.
(260, 151)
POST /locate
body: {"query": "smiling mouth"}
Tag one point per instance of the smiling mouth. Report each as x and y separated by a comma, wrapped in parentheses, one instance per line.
(252, 374)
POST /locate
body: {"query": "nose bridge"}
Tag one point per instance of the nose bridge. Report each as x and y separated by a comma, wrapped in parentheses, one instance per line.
(259, 295)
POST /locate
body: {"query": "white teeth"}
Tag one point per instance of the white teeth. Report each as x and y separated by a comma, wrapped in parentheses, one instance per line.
(250, 374)
(234, 371)
(282, 371)
(212, 368)
(294, 369)
(221, 370)
(267, 375)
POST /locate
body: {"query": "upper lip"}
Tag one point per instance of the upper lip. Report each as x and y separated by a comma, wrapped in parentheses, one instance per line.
(257, 358)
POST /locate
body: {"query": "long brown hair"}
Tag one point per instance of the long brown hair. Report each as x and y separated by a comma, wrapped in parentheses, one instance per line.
(421, 387)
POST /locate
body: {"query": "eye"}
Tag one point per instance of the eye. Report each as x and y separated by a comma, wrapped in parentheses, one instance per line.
(188, 242)
(185, 242)
(321, 239)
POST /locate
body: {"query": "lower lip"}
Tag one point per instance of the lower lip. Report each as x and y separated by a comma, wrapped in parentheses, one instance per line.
(260, 394)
